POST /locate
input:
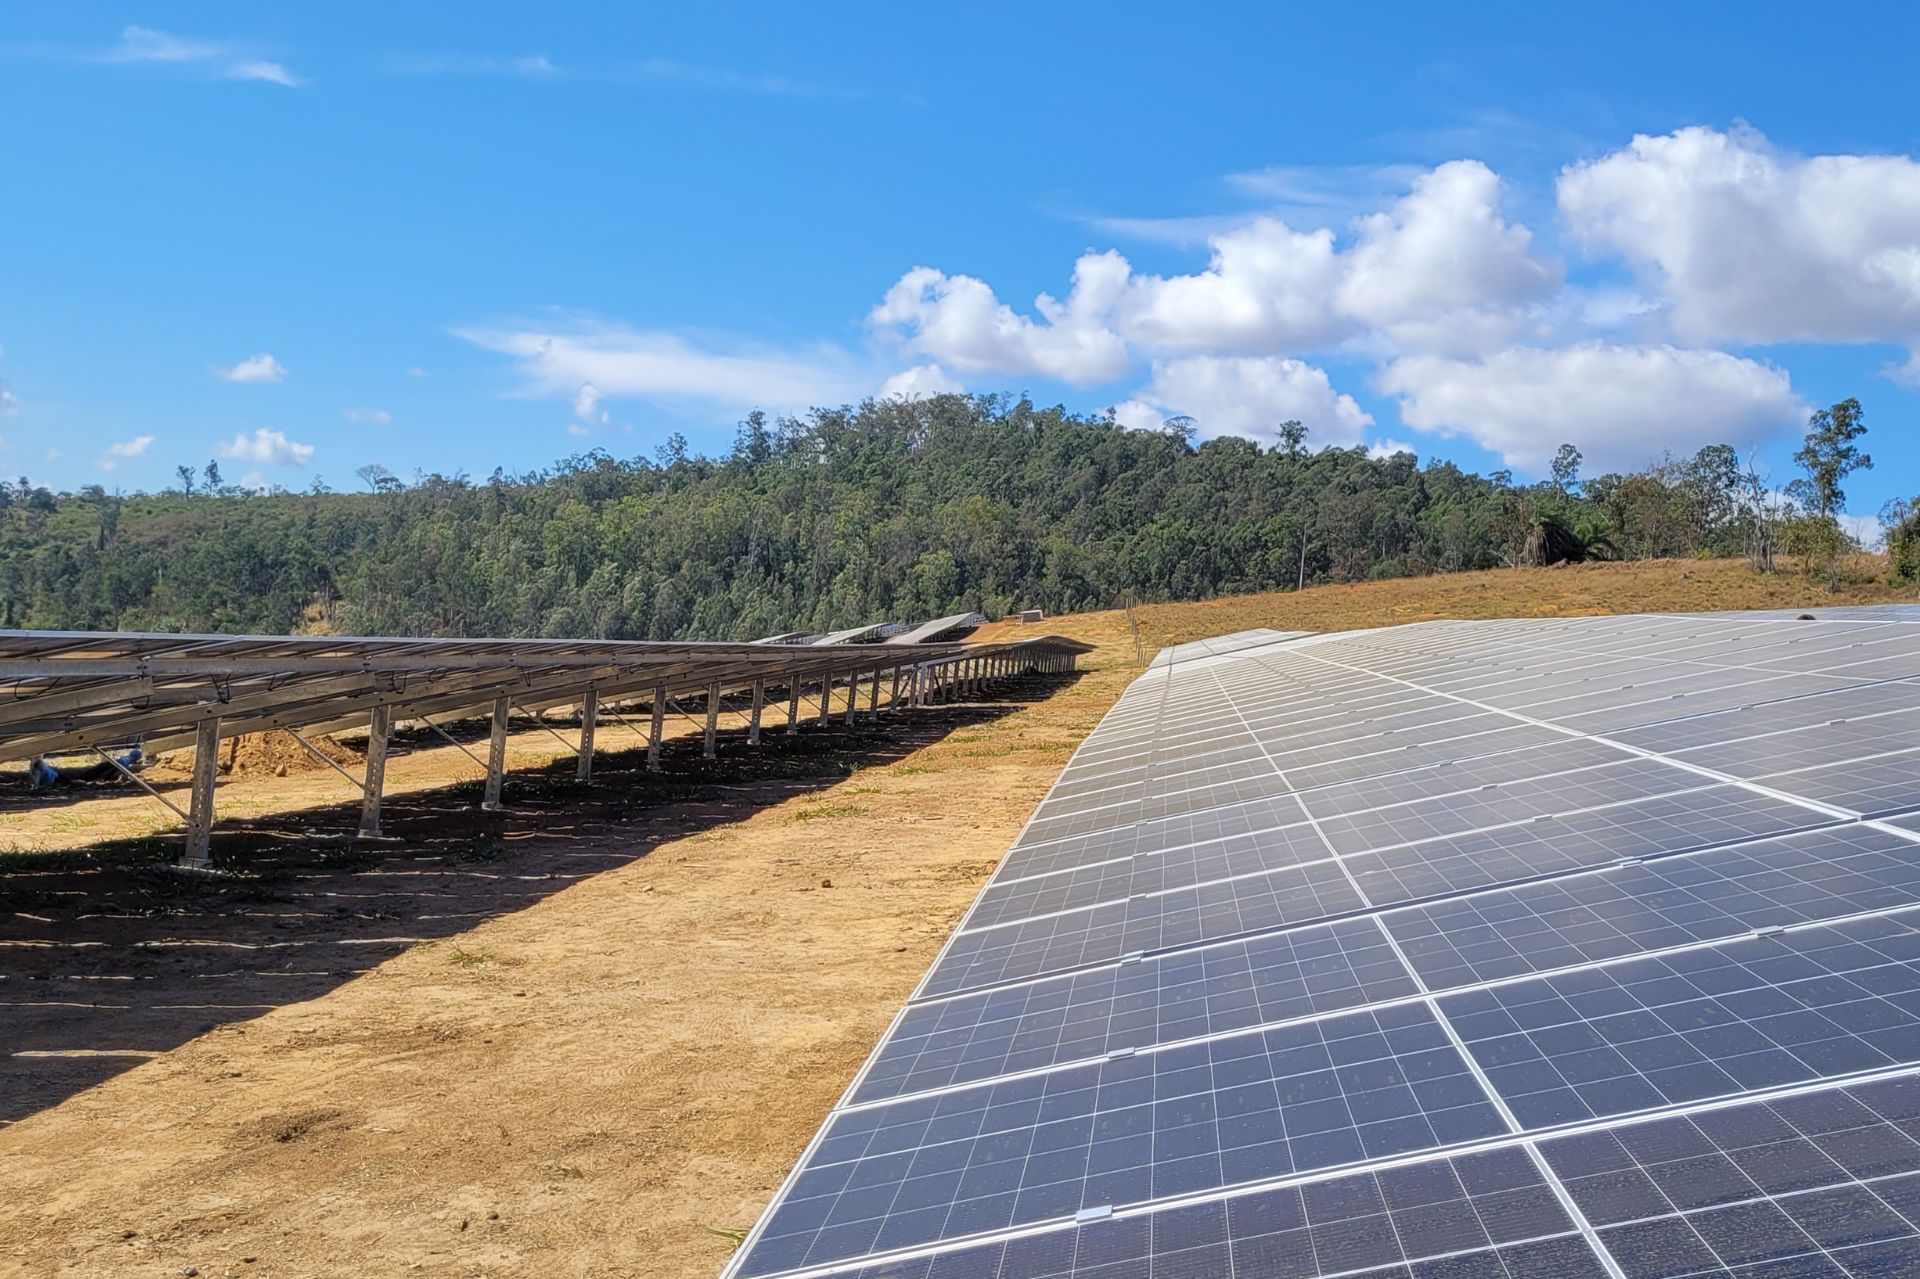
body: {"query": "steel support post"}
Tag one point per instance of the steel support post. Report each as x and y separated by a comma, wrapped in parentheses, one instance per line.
(853, 695)
(873, 698)
(826, 700)
(497, 753)
(713, 719)
(589, 720)
(658, 728)
(379, 733)
(206, 768)
(759, 704)
(793, 703)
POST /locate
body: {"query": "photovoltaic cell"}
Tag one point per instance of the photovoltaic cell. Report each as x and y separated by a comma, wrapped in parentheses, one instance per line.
(1127, 1131)
(1824, 1183)
(1503, 803)
(1757, 1012)
(1552, 843)
(1036, 857)
(1477, 1215)
(1458, 776)
(1270, 978)
(1052, 943)
(1677, 901)
(1873, 787)
(1148, 873)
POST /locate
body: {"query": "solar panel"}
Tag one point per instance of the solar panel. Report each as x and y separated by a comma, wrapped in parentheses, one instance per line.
(1555, 947)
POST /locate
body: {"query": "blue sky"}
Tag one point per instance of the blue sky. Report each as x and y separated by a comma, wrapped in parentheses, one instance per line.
(450, 238)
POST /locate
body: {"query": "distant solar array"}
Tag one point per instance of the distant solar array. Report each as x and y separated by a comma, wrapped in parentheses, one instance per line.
(80, 692)
(1550, 949)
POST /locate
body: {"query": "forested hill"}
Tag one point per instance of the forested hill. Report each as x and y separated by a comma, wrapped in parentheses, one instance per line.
(891, 510)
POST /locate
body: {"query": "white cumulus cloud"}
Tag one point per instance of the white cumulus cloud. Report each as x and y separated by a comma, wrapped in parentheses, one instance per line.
(586, 404)
(1246, 395)
(255, 368)
(1439, 269)
(1443, 265)
(957, 320)
(1381, 450)
(266, 446)
(1866, 530)
(1621, 405)
(1749, 244)
(920, 382)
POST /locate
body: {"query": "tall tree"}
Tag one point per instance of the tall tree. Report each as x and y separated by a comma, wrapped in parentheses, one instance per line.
(1831, 453)
(1566, 469)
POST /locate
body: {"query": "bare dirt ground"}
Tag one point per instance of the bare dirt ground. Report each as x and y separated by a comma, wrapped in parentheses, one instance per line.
(588, 1038)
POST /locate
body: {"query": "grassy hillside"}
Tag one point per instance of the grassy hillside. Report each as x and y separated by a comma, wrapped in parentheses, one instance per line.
(888, 510)
(1566, 590)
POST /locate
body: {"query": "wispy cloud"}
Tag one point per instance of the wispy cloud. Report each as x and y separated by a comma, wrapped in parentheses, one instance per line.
(667, 71)
(651, 70)
(372, 417)
(1177, 232)
(230, 60)
(1486, 133)
(255, 368)
(589, 361)
(120, 452)
(144, 44)
(1302, 196)
(1325, 186)
(527, 67)
(271, 72)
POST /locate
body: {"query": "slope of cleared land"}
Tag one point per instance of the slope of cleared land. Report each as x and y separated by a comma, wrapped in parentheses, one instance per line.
(624, 1016)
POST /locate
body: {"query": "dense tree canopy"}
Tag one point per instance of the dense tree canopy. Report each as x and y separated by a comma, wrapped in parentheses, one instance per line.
(894, 509)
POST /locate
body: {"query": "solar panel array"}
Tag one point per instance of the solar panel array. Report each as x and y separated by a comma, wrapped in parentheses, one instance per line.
(1556, 948)
(64, 691)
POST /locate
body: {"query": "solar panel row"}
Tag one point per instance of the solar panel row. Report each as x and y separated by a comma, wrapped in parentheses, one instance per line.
(1548, 947)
